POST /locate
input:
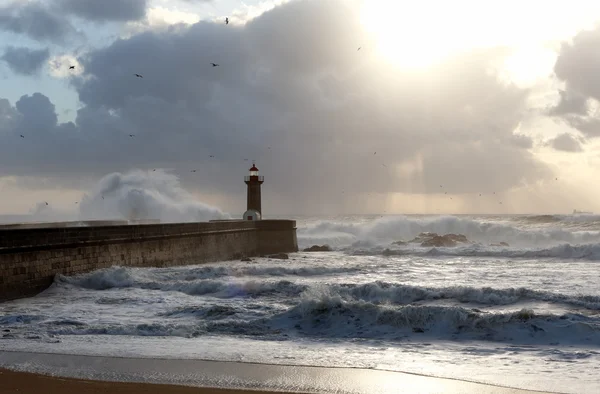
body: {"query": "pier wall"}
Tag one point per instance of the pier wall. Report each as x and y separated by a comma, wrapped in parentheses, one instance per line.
(31, 257)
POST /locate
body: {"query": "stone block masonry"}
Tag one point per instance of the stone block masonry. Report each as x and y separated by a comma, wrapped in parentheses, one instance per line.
(31, 257)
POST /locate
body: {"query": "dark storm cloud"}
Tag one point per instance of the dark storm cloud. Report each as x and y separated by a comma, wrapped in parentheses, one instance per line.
(106, 10)
(37, 112)
(293, 93)
(565, 142)
(36, 21)
(577, 65)
(25, 61)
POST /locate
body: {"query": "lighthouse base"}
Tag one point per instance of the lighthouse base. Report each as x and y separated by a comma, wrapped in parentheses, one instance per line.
(251, 214)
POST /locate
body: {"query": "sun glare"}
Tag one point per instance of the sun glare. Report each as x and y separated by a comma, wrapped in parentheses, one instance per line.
(418, 34)
(414, 34)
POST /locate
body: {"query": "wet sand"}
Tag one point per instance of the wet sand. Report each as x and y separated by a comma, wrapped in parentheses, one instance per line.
(149, 376)
(26, 383)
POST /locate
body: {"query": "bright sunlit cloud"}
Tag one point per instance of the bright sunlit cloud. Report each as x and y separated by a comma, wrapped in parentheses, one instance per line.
(59, 66)
(420, 34)
(528, 64)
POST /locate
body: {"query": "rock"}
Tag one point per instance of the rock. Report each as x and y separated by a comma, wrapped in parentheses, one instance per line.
(317, 248)
(458, 238)
(400, 243)
(436, 240)
(279, 256)
(418, 330)
(247, 259)
(423, 237)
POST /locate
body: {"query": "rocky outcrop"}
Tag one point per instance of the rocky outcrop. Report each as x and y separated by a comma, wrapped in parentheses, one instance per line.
(448, 240)
(317, 248)
(435, 240)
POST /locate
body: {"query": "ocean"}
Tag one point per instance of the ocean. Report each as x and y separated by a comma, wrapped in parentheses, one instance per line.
(517, 304)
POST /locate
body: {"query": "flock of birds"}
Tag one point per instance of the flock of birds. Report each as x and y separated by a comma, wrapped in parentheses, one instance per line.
(212, 156)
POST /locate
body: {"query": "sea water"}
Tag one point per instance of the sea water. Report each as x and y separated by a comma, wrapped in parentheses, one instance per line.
(524, 315)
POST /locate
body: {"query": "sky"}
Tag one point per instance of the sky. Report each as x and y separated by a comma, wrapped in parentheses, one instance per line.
(347, 106)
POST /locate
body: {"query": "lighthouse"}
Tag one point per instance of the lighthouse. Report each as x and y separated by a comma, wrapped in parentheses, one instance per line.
(253, 210)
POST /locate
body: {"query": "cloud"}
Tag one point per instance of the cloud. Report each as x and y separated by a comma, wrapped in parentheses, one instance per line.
(522, 141)
(161, 18)
(36, 21)
(25, 61)
(570, 103)
(293, 93)
(60, 66)
(106, 10)
(566, 143)
(577, 66)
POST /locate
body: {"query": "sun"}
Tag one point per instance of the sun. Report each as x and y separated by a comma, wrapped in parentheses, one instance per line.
(417, 34)
(413, 34)
(421, 34)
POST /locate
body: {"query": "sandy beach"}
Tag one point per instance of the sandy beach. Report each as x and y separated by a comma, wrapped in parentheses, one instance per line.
(26, 383)
(57, 373)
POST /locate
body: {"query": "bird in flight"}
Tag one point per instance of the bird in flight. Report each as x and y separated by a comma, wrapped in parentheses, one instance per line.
(213, 156)
(76, 202)
(22, 136)
(46, 202)
(72, 68)
(215, 65)
(193, 171)
(226, 21)
(138, 75)
(246, 160)
(132, 135)
(154, 170)
(358, 49)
